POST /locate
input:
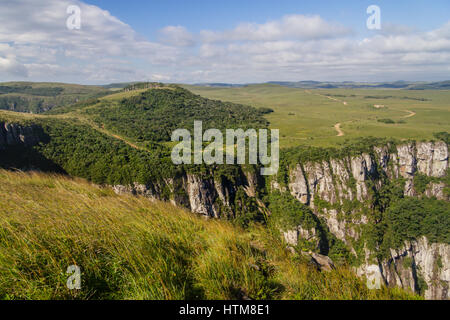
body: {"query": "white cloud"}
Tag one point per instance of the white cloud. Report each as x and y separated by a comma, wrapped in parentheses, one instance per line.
(36, 33)
(10, 66)
(35, 43)
(396, 29)
(177, 36)
(289, 27)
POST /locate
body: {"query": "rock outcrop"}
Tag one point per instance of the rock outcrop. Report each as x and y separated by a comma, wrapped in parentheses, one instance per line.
(202, 194)
(12, 134)
(419, 266)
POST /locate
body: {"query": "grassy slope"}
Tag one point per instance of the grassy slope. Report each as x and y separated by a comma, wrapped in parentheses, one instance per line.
(132, 248)
(308, 117)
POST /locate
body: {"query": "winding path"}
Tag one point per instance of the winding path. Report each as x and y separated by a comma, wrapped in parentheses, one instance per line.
(339, 130)
(410, 115)
(328, 97)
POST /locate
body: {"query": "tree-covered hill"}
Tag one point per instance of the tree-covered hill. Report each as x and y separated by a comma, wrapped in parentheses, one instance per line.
(154, 114)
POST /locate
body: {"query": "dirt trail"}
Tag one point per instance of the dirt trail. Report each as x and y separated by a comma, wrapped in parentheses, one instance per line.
(98, 128)
(124, 140)
(337, 127)
(328, 97)
(410, 115)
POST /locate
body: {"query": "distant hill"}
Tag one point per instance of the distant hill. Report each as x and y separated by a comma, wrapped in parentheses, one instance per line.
(31, 97)
(218, 85)
(443, 85)
(120, 85)
(408, 85)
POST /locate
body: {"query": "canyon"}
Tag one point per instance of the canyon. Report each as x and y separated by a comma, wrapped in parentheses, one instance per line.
(337, 190)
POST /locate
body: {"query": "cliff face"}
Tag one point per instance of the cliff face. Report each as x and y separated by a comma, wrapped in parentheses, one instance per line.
(15, 134)
(208, 196)
(419, 265)
(353, 180)
(332, 181)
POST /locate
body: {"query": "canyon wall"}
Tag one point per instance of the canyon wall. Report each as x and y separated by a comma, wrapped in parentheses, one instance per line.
(329, 185)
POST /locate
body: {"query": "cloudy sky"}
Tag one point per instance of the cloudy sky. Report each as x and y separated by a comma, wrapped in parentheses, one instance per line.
(230, 41)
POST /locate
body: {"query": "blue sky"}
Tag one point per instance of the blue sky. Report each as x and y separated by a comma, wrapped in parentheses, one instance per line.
(223, 41)
(148, 16)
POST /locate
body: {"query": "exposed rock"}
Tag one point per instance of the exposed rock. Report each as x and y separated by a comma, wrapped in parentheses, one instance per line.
(406, 160)
(251, 185)
(436, 190)
(337, 227)
(440, 160)
(292, 236)
(363, 168)
(274, 185)
(16, 134)
(324, 262)
(319, 182)
(425, 152)
(299, 185)
(202, 196)
(409, 188)
(416, 262)
(383, 158)
(342, 178)
(314, 174)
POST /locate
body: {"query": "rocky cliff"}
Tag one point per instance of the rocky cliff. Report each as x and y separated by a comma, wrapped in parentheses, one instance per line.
(339, 191)
(203, 194)
(12, 134)
(419, 265)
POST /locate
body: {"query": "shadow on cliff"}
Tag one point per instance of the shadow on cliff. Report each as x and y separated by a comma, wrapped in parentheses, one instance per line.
(25, 156)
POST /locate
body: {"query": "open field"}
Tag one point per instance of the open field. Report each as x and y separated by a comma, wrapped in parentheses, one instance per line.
(309, 117)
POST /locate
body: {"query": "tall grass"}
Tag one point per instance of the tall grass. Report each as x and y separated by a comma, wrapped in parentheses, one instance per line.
(133, 248)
